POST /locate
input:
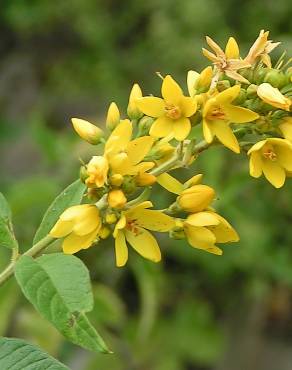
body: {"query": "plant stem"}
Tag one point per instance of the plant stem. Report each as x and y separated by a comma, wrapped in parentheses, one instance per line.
(33, 251)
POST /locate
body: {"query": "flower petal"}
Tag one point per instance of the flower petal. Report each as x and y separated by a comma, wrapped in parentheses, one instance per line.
(286, 128)
(202, 219)
(232, 49)
(89, 223)
(154, 220)
(208, 133)
(223, 232)
(119, 138)
(74, 243)
(162, 127)
(240, 115)
(188, 106)
(255, 164)
(170, 183)
(182, 128)
(192, 78)
(61, 229)
(151, 106)
(225, 135)
(145, 244)
(257, 146)
(274, 173)
(74, 211)
(200, 237)
(121, 249)
(226, 96)
(285, 158)
(141, 168)
(137, 149)
(171, 91)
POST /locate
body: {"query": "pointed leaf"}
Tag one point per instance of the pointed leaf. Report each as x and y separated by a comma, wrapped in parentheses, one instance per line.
(17, 354)
(71, 196)
(58, 286)
(7, 238)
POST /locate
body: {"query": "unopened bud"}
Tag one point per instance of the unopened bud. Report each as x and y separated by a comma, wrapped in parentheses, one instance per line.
(129, 185)
(276, 78)
(116, 179)
(251, 91)
(196, 198)
(113, 116)
(110, 218)
(241, 97)
(223, 85)
(133, 111)
(145, 179)
(83, 174)
(87, 131)
(116, 198)
(145, 124)
(104, 232)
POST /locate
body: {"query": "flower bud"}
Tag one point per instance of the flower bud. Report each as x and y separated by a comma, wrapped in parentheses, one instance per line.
(145, 124)
(276, 78)
(223, 85)
(129, 184)
(113, 116)
(241, 97)
(116, 198)
(116, 179)
(110, 218)
(251, 91)
(87, 131)
(104, 232)
(196, 198)
(145, 179)
(133, 111)
(83, 174)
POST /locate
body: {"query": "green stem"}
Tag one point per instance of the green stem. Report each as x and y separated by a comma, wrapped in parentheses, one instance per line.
(33, 251)
(168, 165)
(141, 198)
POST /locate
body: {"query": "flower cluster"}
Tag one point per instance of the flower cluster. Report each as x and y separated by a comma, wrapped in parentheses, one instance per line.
(242, 103)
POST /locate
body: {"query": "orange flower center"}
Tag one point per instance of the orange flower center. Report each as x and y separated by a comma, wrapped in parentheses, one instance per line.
(172, 111)
(270, 154)
(132, 226)
(217, 113)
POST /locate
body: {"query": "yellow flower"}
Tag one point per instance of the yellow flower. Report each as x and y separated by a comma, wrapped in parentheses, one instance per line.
(204, 229)
(79, 225)
(172, 112)
(229, 61)
(273, 96)
(218, 113)
(116, 198)
(197, 80)
(87, 130)
(113, 116)
(97, 170)
(125, 157)
(133, 111)
(131, 228)
(286, 128)
(196, 198)
(273, 157)
(261, 49)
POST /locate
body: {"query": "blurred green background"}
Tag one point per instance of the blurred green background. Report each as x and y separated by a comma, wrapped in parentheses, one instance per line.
(194, 311)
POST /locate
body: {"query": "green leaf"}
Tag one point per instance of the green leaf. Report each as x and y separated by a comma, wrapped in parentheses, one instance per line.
(58, 286)
(5, 211)
(17, 354)
(71, 196)
(7, 238)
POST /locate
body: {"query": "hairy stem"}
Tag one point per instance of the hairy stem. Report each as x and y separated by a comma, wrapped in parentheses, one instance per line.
(33, 251)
